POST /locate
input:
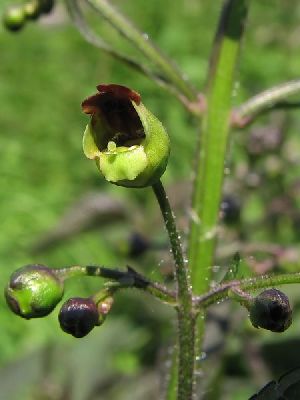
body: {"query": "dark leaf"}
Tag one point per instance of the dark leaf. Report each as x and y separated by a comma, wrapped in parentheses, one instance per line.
(287, 388)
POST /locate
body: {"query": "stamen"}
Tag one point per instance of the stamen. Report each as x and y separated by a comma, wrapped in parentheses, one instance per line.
(111, 146)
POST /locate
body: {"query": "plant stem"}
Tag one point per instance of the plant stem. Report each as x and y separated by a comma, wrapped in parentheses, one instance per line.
(91, 37)
(181, 275)
(213, 145)
(212, 150)
(267, 100)
(171, 392)
(142, 42)
(186, 317)
(127, 279)
(222, 292)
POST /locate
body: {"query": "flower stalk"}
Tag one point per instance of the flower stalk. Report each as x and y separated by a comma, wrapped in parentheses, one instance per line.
(224, 291)
(185, 314)
(125, 279)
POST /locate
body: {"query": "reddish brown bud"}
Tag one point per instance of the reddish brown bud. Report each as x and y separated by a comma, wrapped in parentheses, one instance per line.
(78, 316)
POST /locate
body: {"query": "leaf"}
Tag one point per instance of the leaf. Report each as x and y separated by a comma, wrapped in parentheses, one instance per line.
(287, 388)
(233, 269)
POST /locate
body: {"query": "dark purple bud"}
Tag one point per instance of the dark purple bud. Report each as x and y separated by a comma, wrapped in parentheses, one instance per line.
(138, 245)
(46, 6)
(231, 209)
(78, 316)
(271, 310)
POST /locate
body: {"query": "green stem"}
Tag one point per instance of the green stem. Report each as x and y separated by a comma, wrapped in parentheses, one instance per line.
(224, 291)
(265, 101)
(213, 146)
(237, 294)
(212, 150)
(186, 317)
(181, 275)
(128, 279)
(142, 42)
(171, 392)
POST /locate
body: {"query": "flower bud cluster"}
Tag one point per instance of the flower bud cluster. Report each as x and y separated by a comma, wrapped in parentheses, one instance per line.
(16, 16)
(34, 291)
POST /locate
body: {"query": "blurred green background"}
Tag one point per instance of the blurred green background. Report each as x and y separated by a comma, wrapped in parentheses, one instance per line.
(46, 70)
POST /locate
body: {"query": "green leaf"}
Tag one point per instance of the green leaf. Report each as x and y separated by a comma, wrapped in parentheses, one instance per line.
(233, 269)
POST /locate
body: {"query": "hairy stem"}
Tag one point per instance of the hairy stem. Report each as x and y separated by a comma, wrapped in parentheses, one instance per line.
(181, 275)
(142, 42)
(186, 318)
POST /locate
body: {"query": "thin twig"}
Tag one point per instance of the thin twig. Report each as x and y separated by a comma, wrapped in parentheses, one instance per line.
(91, 37)
(268, 100)
(222, 292)
(127, 279)
(143, 43)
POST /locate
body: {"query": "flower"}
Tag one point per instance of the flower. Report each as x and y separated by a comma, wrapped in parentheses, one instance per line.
(128, 143)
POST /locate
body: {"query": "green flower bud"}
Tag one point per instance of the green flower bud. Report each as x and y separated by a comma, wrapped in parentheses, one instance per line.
(33, 291)
(128, 143)
(78, 316)
(14, 18)
(32, 9)
(271, 310)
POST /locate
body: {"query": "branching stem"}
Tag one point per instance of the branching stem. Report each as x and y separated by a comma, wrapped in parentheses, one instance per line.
(222, 292)
(268, 100)
(126, 279)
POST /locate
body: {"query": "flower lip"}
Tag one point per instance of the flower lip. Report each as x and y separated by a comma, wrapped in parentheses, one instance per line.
(114, 118)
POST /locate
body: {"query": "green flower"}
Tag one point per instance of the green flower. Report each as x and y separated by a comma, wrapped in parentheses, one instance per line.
(33, 291)
(128, 143)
